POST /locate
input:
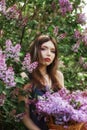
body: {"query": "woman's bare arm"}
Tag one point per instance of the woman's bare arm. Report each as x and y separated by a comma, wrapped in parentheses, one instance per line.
(28, 122)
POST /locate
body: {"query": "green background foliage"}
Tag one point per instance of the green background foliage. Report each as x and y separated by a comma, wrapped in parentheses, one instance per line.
(43, 16)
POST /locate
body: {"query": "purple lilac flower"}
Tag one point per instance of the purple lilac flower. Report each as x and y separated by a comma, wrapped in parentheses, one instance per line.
(63, 92)
(8, 45)
(63, 10)
(13, 12)
(53, 104)
(60, 107)
(84, 39)
(12, 51)
(77, 34)
(9, 78)
(55, 31)
(81, 18)
(6, 73)
(2, 6)
(3, 66)
(79, 116)
(62, 35)
(76, 46)
(78, 100)
(83, 63)
(65, 6)
(27, 63)
(84, 108)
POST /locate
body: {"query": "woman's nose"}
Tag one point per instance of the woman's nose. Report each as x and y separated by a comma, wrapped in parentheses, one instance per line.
(48, 52)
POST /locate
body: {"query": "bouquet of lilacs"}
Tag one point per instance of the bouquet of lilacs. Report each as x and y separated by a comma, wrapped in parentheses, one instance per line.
(14, 67)
(64, 106)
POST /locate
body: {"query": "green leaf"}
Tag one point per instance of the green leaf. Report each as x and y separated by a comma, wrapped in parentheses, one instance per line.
(19, 80)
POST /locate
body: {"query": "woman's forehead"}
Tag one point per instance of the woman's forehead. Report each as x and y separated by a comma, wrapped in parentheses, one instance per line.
(48, 44)
(43, 36)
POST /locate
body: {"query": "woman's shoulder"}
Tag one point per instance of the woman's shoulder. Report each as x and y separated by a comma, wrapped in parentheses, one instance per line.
(60, 77)
(59, 73)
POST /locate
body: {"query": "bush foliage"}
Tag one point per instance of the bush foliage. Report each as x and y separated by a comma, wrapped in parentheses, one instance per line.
(22, 20)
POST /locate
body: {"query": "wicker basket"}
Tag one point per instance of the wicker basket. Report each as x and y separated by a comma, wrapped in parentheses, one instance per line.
(84, 127)
(76, 126)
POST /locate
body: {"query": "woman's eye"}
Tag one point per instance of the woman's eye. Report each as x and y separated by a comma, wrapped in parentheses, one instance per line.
(53, 51)
(43, 49)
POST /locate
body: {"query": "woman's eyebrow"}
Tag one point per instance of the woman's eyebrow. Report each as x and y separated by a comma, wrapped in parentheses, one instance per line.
(43, 47)
(48, 47)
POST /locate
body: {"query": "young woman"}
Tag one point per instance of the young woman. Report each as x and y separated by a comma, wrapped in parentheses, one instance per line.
(46, 77)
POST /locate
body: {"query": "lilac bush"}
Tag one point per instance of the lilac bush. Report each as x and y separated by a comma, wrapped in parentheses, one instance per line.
(66, 107)
(21, 20)
(27, 63)
(13, 66)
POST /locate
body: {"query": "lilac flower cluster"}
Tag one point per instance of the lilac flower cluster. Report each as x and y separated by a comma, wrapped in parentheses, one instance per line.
(6, 73)
(2, 6)
(75, 47)
(84, 39)
(80, 38)
(13, 13)
(77, 34)
(81, 18)
(62, 35)
(55, 31)
(65, 6)
(64, 106)
(12, 51)
(27, 63)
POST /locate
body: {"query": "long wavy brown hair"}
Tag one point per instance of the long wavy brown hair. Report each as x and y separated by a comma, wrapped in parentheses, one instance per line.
(36, 77)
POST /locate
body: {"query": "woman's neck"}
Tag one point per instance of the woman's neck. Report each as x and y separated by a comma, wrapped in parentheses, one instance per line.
(47, 79)
(43, 70)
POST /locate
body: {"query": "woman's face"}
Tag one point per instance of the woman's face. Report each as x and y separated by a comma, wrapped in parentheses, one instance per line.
(47, 51)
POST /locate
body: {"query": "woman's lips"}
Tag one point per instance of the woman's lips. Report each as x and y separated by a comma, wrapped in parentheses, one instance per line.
(47, 59)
